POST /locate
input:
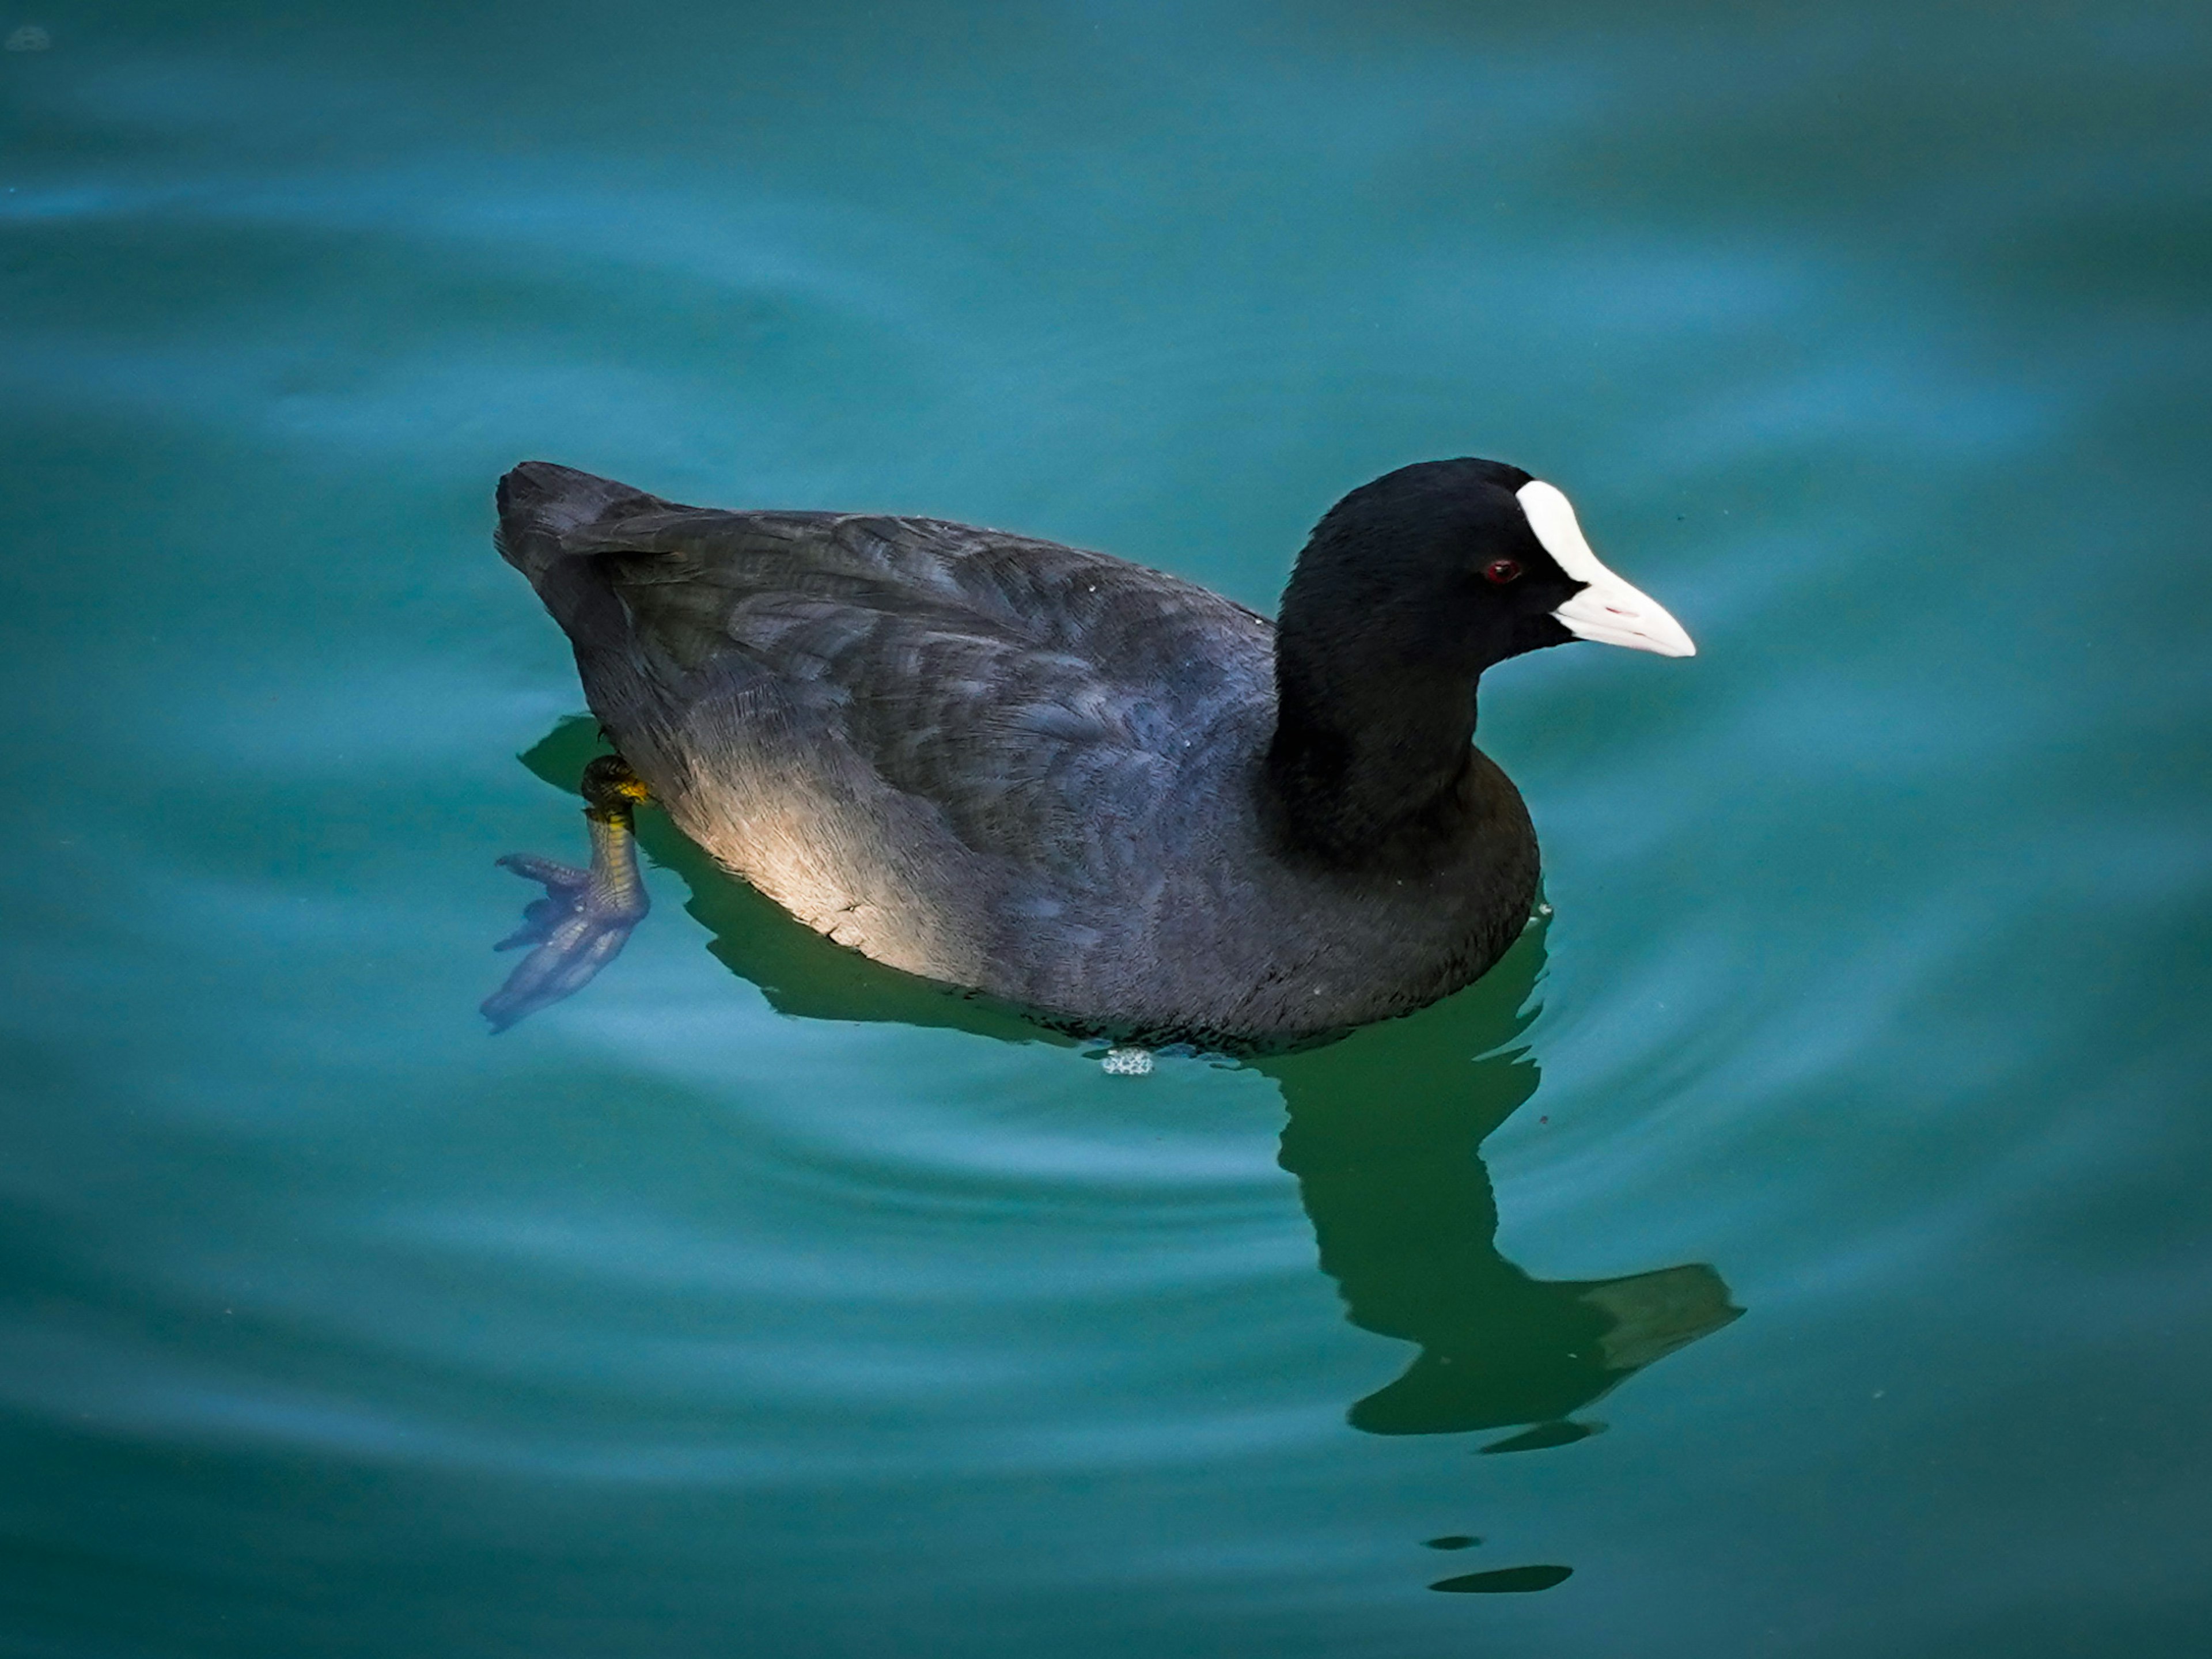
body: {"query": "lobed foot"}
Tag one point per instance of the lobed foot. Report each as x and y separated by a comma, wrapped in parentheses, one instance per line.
(587, 914)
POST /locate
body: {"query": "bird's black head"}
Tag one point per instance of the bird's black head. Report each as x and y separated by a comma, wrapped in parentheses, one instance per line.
(1446, 567)
(1410, 587)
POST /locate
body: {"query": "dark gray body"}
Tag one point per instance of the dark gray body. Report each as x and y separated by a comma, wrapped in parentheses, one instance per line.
(1003, 764)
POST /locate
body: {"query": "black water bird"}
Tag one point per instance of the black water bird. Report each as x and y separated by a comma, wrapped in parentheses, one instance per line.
(1083, 787)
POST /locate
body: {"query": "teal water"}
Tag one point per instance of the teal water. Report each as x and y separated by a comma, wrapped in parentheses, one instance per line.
(758, 1302)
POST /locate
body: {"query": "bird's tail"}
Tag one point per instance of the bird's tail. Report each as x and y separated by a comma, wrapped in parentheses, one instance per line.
(548, 513)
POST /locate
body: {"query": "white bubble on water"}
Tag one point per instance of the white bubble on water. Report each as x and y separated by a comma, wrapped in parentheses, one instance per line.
(1126, 1062)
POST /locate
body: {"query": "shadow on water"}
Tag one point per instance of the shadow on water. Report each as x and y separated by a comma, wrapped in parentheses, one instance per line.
(1384, 1135)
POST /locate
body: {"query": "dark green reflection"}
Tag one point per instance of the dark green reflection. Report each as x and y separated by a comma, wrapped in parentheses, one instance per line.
(1505, 1581)
(1385, 1128)
(1384, 1135)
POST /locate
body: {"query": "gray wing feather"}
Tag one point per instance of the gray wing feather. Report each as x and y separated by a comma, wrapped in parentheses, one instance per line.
(1040, 697)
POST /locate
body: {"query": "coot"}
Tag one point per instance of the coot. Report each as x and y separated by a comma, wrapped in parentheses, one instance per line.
(1129, 804)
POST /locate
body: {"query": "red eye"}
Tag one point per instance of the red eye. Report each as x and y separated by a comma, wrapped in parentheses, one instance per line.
(1502, 571)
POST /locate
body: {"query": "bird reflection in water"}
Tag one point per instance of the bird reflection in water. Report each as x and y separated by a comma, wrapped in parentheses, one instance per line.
(1384, 1135)
(1385, 1132)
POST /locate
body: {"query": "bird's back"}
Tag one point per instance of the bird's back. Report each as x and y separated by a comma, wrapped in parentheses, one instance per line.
(992, 760)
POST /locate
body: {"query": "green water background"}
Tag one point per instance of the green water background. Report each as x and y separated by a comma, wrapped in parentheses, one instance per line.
(1873, 340)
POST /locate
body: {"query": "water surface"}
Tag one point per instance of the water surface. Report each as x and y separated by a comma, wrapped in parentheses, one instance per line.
(759, 1301)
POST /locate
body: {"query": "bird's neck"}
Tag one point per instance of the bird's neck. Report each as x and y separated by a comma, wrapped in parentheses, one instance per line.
(1371, 771)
